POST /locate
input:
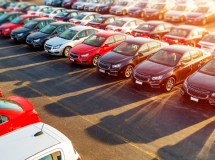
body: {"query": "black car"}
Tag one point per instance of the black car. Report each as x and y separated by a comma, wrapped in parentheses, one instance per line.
(124, 57)
(38, 39)
(102, 21)
(104, 8)
(65, 16)
(138, 9)
(20, 34)
(8, 17)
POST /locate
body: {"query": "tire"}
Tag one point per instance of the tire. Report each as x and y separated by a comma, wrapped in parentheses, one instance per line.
(95, 60)
(128, 71)
(169, 84)
(66, 51)
(160, 16)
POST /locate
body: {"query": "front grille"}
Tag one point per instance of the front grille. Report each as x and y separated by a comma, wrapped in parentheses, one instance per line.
(48, 47)
(73, 55)
(142, 77)
(198, 93)
(104, 65)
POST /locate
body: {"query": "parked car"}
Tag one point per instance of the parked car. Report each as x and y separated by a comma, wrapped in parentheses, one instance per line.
(152, 29)
(138, 9)
(89, 51)
(200, 85)
(122, 7)
(2, 11)
(83, 18)
(18, 22)
(38, 141)
(55, 3)
(65, 16)
(102, 21)
(61, 44)
(123, 58)
(53, 12)
(38, 39)
(208, 43)
(16, 112)
(8, 17)
(185, 34)
(204, 2)
(79, 5)
(4, 4)
(191, 2)
(178, 13)
(202, 15)
(92, 6)
(124, 25)
(68, 3)
(157, 11)
(105, 8)
(39, 10)
(11, 6)
(37, 24)
(169, 66)
(23, 7)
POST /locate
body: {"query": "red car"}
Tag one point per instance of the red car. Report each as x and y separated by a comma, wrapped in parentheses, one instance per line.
(89, 51)
(16, 112)
(20, 21)
(185, 34)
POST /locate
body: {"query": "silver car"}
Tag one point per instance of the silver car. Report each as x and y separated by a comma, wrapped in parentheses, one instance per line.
(61, 44)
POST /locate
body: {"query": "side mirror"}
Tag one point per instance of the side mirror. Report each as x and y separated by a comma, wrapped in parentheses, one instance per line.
(106, 45)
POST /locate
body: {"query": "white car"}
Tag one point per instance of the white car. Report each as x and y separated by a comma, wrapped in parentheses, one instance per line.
(35, 142)
(39, 10)
(124, 25)
(83, 18)
(53, 12)
(61, 44)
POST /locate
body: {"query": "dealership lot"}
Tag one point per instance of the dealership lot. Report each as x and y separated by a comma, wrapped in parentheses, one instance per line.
(105, 117)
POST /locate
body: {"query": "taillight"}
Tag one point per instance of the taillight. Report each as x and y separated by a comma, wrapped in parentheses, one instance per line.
(46, 16)
(78, 22)
(132, 33)
(59, 19)
(88, 24)
(118, 30)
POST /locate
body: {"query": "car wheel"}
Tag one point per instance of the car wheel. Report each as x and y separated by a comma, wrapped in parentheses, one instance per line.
(160, 16)
(142, 14)
(204, 21)
(95, 60)
(66, 51)
(128, 71)
(170, 83)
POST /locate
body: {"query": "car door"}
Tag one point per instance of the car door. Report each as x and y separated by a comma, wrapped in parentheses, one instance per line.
(197, 60)
(130, 26)
(142, 54)
(110, 42)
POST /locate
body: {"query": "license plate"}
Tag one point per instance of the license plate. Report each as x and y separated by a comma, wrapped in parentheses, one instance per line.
(139, 82)
(194, 99)
(72, 59)
(102, 70)
(12, 38)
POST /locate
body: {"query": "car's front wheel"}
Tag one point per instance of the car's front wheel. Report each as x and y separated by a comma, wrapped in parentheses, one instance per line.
(128, 71)
(66, 51)
(169, 84)
(95, 60)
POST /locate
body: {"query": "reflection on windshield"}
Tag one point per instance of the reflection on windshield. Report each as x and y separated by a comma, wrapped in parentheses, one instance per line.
(141, 4)
(31, 24)
(118, 23)
(95, 40)
(123, 3)
(209, 68)
(48, 29)
(209, 38)
(126, 48)
(62, 14)
(179, 8)
(146, 27)
(178, 32)
(79, 16)
(98, 20)
(68, 34)
(2, 17)
(17, 20)
(168, 58)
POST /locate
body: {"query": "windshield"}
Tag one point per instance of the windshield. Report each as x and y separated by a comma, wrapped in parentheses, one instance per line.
(95, 40)
(48, 29)
(178, 32)
(209, 68)
(158, 6)
(168, 58)
(12, 5)
(5, 104)
(98, 19)
(209, 38)
(79, 16)
(179, 8)
(48, 10)
(126, 48)
(62, 14)
(31, 24)
(4, 16)
(123, 3)
(33, 8)
(118, 23)
(17, 20)
(146, 27)
(22, 6)
(141, 4)
(68, 34)
(202, 9)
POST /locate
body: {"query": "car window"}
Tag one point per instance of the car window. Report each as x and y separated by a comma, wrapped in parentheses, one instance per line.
(167, 26)
(196, 54)
(186, 58)
(194, 33)
(27, 20)
(10, 105)
(153, 45)
(3, 119)
(91, 31)
(60, 29)
(110, 20)
(144, 48)
(69, 25)
(73, 14)
(11, 17)
(82, 34)
(119, 38)
(57, 11)
(110, 40)
(41, 25)
(130, 24)
(53, 156)
(160, 28)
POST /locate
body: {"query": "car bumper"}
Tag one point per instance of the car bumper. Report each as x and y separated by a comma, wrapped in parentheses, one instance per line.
(18, 38)
(109, 72)
(5, 33)
(81, 61)
(56, 52)
(147, 81)
(151, 16)
(172, 19)
(134, 14)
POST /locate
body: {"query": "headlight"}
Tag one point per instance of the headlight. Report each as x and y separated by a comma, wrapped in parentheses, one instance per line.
(213, 95)
(57, 47)
(116, 65)
(85, 55)
(37, 40)
(200, 18)
(7, 29)
(20, 34)
(157, 78)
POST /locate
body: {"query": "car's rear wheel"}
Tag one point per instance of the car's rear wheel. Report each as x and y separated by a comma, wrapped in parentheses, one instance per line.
(128, 71)
(170, 83)
(95, 60)
(66, 51)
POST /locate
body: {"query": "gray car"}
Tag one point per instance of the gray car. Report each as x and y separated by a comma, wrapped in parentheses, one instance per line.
(61, 44)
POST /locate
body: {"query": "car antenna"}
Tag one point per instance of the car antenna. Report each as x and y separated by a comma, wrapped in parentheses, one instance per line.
(40, 132)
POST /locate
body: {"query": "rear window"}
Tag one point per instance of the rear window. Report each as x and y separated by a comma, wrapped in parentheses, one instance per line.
(9, 105)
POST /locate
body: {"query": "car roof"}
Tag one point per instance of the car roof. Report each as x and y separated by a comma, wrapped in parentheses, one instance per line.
(108, 33)
(22, 143)
(80, 28)
(59, 23)
(43, 19)
(189, 27)
(14, 13)
(179, 48)
(139, 40)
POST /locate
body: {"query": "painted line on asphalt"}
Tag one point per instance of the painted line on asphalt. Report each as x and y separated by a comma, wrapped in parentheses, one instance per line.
(12, 47)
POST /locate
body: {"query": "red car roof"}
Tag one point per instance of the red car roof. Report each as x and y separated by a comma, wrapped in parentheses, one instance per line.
(28, 16)
(108, 33)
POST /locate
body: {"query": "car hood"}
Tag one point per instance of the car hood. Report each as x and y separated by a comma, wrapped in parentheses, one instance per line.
(8, 25)
(36, 35)
(114, 58)
(83, 48)
(175, 13)
(201, 80)
(21, 30)
(56, 41)
(195, 15)
(152, 68)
